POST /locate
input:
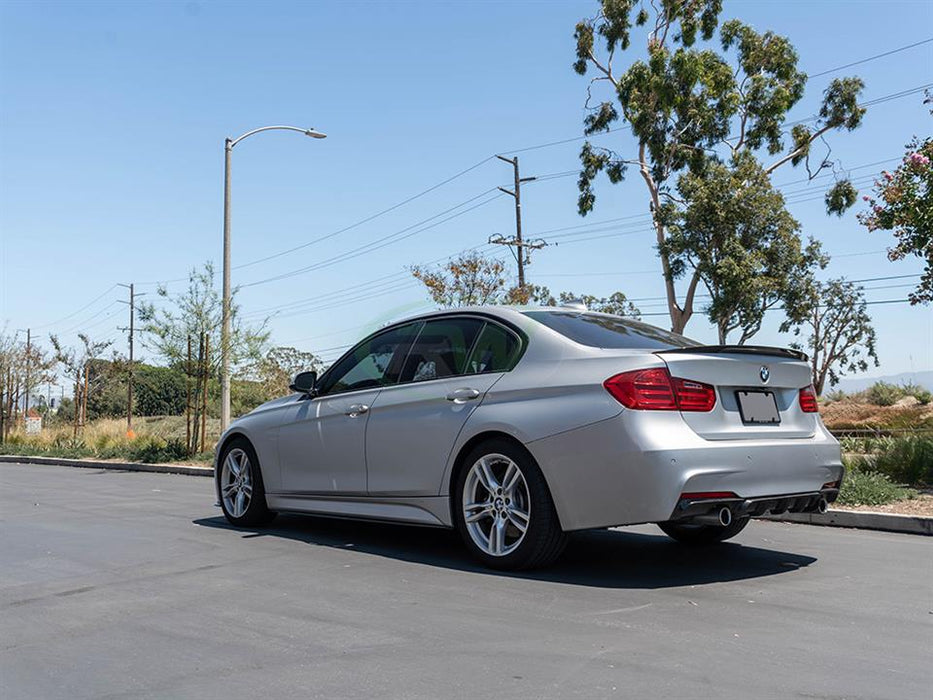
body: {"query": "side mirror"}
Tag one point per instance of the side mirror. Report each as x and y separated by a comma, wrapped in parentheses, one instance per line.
(304, 382)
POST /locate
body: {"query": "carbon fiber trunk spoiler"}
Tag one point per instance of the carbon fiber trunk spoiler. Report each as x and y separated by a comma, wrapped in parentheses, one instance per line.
(739, 350)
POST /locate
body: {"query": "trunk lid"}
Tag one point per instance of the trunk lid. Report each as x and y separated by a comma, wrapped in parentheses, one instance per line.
(739, 375)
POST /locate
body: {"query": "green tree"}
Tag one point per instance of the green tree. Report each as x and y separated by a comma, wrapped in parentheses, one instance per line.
(159, 391)
(274, 372)
(474, 280)
(77, 363)
(196, 311)
(471, 279)
(738, 238)
(902, 202)
(686, 104)
(839, 336)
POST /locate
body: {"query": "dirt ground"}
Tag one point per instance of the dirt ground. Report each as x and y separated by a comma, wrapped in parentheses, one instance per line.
(921, 505)
(850, 413)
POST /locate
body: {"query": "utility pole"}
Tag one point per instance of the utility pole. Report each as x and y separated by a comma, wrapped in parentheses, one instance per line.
(129, 377)
(521, 246)
(28, 357)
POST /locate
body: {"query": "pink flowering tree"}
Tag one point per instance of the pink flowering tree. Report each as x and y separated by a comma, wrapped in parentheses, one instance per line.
(902, 202)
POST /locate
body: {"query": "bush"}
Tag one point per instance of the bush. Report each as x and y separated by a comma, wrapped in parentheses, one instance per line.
(864, 487)
(907, 460)
(884, 394)
(923, 396)
(157, 450)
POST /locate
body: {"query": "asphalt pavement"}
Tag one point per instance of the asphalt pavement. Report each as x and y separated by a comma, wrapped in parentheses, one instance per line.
(131, 585)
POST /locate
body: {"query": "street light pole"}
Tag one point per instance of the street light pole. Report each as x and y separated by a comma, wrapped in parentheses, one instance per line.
(227, 292)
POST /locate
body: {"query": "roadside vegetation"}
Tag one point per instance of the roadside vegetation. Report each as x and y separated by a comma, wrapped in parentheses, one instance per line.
(156, 439)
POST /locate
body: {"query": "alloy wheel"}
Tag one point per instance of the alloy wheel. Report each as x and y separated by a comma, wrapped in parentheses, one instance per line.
(496, 505)
(236, 484)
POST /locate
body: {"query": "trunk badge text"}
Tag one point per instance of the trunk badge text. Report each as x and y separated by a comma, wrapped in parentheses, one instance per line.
(765, 374)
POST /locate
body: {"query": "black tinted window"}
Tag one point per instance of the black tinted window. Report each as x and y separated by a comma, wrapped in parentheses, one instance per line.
(605, 331)
(441, 349)
(493, 352)
(373, 363)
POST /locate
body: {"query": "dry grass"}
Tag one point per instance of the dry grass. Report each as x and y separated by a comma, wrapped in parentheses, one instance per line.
(155, 438)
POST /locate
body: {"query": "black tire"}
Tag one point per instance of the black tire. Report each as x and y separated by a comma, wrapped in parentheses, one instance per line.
(699, 535)
(256, 512)
(543, 540)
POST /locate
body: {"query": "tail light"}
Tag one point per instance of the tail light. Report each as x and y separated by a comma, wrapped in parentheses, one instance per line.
(656, 390)
(808, 400)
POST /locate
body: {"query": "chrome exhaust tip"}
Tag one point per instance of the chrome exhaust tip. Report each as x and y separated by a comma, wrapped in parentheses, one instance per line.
(725, 517)
(822, 506)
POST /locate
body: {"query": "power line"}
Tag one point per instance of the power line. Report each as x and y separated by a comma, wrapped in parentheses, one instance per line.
(382, 242)
(870, 58)
(368, 218)
(86, 306)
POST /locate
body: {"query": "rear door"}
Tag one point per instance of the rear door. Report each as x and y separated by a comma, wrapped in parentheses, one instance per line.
(414, 424)
(757, 393)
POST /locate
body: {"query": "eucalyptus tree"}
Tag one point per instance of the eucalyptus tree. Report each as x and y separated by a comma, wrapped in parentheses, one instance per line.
(687, 103)
(832, 318)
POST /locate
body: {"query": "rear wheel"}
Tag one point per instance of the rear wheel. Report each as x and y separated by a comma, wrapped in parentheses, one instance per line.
(242, 495)
(703, 534)
(503, 509)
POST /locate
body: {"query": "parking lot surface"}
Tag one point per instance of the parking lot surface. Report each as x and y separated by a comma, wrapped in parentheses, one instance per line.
(131, 585)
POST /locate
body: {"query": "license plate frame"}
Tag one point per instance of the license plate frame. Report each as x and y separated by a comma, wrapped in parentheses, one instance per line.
(758, 407)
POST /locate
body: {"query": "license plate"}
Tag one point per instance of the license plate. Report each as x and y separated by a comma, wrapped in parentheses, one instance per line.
(758, 407)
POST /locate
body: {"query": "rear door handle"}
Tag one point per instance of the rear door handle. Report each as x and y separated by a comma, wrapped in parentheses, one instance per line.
(357, 409)
(462, 395)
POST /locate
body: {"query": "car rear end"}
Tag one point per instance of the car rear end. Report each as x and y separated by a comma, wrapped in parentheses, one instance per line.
(706, 434)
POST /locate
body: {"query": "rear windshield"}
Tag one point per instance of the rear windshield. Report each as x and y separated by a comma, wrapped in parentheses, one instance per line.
(606, 331)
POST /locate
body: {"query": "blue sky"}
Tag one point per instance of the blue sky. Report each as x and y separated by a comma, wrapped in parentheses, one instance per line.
(113, 115)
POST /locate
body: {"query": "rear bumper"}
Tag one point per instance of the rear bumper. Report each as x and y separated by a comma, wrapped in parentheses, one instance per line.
(633, 469)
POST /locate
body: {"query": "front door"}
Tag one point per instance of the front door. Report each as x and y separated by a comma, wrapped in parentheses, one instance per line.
(414, 424)
(322, 439)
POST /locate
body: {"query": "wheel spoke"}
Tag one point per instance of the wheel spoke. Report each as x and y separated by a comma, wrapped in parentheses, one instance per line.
(232, 466)
(229, 489)
(512, 475)
(519, 519)
(486, 477)
(497, 537)
(240, 505)
(476, 511)
(247, 489)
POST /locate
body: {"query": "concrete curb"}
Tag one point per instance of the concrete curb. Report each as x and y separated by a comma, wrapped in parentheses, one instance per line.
(862, 519)
(186, 469)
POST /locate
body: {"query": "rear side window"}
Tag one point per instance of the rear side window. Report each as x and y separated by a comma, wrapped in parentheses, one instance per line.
(494, 351)
(606, 331)
(441, 349)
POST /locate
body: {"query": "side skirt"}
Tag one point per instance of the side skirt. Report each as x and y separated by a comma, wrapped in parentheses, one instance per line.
(429, 510)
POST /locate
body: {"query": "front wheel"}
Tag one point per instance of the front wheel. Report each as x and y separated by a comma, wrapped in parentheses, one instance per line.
(242, 495)
(703, 534)
(503, 509)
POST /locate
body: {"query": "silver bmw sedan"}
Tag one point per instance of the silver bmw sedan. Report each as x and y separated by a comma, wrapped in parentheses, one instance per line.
(517, 425)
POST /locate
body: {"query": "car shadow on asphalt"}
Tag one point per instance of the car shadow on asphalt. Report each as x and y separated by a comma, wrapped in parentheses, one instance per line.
(597, 558)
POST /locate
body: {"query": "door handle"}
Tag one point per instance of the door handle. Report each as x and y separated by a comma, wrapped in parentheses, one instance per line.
(462, 395)
(357, 409)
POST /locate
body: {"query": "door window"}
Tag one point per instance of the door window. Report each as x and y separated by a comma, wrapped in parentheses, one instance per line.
(441, 349)
(373, 363)
(494, 351)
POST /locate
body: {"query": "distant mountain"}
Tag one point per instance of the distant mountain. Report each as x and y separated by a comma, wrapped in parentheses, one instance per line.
(850, 385)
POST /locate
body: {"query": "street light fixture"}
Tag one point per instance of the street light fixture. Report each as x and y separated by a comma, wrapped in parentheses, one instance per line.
(225, 327)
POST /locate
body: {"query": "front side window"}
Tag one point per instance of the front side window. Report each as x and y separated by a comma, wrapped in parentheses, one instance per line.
(494, 351)
(441, 349)
(375, 362)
